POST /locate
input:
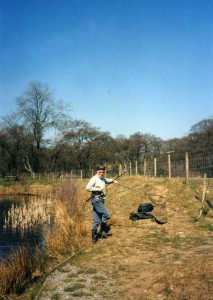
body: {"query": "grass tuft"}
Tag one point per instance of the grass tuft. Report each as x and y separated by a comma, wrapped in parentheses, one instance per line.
(74, 287)
(19, 270)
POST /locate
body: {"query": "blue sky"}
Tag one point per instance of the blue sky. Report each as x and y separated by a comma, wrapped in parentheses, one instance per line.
(125, 66)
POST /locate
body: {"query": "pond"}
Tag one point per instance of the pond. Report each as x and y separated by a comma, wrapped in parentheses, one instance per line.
(23, 221)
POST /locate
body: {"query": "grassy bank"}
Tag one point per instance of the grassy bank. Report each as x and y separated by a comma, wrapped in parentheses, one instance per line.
(65, 238)
(142, 258)
(145, 260)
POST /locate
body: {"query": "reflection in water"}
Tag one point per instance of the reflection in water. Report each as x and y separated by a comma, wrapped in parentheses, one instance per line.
(23, 222)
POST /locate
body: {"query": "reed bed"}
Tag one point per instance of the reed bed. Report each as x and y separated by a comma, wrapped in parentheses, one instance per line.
(67, 235)
(21, 268)
(63, 238)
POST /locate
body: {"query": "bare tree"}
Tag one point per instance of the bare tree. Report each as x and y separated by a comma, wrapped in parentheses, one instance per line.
(121, 149)
(201, 134)
(39, 112)
(87, 143)
(142, 145)
(14, 145)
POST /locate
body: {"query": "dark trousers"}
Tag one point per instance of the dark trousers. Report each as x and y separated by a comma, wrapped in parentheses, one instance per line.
(100, 213)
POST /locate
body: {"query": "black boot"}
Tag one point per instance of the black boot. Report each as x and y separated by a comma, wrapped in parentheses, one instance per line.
(104, 231)
(94, 236)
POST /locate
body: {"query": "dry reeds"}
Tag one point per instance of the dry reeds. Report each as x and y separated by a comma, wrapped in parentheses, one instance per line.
(66, 237)
(19, 269)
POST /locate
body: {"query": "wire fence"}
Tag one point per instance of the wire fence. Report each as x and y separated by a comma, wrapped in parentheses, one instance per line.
(171, 165)
(175, 165)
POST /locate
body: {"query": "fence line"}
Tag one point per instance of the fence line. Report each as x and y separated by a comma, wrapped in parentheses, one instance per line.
(184, 165)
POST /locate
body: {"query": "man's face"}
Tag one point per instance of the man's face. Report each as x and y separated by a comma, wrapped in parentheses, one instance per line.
(101, 173)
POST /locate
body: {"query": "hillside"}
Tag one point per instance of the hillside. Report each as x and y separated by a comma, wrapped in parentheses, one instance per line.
(142, 259)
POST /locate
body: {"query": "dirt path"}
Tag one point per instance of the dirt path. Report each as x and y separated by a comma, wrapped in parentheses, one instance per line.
(141, 260)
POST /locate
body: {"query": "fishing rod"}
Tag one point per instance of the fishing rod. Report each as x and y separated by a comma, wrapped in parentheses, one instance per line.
(116, 177)
(151, 197)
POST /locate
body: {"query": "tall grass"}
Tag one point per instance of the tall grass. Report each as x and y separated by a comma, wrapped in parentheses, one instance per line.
(20, 269)
(67, 236)
(64, 238)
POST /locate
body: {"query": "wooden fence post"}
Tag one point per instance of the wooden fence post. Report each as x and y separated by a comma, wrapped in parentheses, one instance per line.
(187, 167)
(203, 196)
(130, 168)
(144, 167)
(136, 168)
(125, 166)
(81, 174)
(155, 167)
(169, 164)
(120, 169)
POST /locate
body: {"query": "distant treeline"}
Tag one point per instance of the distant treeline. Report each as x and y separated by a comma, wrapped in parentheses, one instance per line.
(41, 137)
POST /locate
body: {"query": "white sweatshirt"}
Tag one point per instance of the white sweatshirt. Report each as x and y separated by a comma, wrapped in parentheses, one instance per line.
(96, 183)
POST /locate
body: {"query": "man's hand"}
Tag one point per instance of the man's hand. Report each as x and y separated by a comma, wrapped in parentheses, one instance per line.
(115, 181)
(98, 189)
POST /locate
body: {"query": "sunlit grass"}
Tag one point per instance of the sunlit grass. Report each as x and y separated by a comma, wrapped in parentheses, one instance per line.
(74, 287)
(20, 269)
(69, 232)
(67, 235)
(191, 281)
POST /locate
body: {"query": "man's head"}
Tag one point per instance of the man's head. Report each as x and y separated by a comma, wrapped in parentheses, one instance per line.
(100, 171)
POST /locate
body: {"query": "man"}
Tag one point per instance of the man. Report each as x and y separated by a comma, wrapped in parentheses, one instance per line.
(97, 185)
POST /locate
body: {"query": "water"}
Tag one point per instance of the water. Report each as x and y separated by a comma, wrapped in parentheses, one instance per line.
(23, 221)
